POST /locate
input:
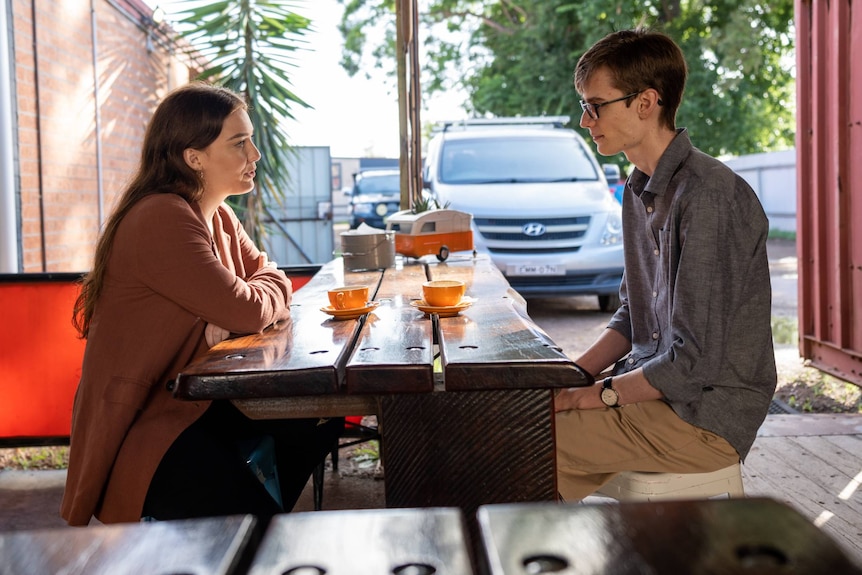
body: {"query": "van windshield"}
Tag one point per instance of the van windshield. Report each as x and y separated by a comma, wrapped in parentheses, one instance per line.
(389, 184)
(514, 160)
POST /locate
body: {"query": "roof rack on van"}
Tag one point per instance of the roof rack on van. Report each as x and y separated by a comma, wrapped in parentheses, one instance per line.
(555, 121)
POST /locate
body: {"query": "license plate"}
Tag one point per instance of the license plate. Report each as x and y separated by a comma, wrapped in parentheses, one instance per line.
(536, 270)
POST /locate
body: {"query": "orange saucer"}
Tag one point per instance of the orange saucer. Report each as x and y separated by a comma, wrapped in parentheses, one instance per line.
(351, 313)
(443, 311)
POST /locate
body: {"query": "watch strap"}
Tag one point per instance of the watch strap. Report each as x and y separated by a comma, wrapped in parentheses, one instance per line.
(607, 385)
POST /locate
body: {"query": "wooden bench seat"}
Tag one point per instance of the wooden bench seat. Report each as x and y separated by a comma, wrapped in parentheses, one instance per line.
(384, 541)
(210, 546)
(754, 535)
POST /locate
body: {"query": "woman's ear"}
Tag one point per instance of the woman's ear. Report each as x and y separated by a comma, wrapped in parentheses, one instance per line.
(192, 159)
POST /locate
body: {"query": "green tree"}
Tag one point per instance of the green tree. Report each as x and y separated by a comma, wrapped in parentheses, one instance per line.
(516, 57)
(249, 46)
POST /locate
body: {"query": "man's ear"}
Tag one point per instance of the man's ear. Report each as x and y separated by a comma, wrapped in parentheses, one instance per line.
(648, 101)
(192, 158)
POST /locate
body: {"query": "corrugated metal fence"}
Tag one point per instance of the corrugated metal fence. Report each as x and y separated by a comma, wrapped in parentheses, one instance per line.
(829, 185)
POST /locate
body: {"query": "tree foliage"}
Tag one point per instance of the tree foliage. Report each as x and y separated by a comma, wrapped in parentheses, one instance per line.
(517, 57)
(249, 46)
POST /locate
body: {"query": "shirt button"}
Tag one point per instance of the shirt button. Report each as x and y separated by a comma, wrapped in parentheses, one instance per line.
(655, 251)
(655, 294)
(655, 335)
(649, 210)
(631, 360)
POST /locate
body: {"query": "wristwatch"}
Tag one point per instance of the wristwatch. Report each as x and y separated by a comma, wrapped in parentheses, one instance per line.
(609, 395)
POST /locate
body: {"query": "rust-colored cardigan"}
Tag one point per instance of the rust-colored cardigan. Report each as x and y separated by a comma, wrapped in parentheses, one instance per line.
(166, 279)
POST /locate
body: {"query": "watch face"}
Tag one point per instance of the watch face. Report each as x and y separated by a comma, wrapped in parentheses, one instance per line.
(610, 397)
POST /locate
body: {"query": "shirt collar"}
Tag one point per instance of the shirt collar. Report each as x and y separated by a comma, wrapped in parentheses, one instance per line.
(670, 161)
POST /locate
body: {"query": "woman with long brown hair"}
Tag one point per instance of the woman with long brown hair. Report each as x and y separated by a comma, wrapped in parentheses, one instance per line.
(175, 273)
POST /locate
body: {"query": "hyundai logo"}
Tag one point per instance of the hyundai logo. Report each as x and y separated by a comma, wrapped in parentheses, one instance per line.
(533, 229)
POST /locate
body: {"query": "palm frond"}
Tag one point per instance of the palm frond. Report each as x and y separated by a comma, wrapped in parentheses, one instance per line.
(250, 46)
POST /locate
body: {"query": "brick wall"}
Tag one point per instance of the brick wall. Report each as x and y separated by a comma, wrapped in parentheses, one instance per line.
(80, 119)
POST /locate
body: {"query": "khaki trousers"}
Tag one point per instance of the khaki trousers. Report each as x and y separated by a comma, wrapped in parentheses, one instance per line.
(593, 445)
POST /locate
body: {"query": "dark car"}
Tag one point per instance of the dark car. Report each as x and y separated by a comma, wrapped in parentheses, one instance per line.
(376, 194)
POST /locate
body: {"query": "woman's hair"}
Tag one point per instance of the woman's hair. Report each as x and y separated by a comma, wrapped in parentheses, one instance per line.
(189, 117)
(639, 59)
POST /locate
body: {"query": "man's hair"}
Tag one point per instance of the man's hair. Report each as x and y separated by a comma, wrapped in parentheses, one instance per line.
(639, 59)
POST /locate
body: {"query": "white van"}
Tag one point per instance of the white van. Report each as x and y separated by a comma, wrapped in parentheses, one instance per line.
(539, 200)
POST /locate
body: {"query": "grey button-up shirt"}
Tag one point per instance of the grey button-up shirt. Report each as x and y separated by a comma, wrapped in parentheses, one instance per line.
(696, 293)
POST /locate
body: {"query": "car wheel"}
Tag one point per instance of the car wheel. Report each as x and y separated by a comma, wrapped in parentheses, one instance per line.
(443, 254)
(609, 302)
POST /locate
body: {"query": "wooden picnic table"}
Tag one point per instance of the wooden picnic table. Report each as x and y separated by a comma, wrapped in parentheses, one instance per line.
(464, 403)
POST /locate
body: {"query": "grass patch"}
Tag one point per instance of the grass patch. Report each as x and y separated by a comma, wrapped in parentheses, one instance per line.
(818, 392)
(775, 234)
(785, 330)
(31, 458)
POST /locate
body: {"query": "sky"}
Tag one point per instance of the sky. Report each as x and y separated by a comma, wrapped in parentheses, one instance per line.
(355, 117)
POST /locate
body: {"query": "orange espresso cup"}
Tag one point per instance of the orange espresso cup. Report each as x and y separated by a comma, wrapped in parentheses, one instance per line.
(348, 297)
(443, 293)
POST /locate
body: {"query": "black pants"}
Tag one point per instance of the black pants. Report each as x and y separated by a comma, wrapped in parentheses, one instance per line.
(203, 474)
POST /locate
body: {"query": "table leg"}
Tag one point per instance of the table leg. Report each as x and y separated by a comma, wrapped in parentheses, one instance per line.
(466, 449)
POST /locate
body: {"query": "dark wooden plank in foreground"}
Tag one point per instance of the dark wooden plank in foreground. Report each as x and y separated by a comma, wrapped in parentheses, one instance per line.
(380, 541)
(709, 536)
(211, 546)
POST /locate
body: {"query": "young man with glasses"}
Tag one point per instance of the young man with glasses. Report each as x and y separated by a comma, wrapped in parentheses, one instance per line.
(691, 345)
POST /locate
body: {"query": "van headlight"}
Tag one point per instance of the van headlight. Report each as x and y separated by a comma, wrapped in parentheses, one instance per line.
(613, 232)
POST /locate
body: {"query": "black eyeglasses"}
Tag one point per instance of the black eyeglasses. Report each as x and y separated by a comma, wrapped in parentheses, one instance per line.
(592, 110)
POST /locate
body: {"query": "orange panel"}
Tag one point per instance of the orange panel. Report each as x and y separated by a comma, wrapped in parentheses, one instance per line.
(41, 361)
(40, 365)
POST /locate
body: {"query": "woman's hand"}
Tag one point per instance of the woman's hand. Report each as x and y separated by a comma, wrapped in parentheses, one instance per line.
(215, 334)
(263, 262)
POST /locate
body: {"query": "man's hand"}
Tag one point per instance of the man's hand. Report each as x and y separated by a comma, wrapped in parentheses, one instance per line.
(578, 398)
(215, 334)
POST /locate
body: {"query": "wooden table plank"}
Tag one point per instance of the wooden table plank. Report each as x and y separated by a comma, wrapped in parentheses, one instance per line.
(365, 541)
(507, 344)
(333, 405)
(211, 546)
(331, 275)
(394, 352)
(305, 355)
